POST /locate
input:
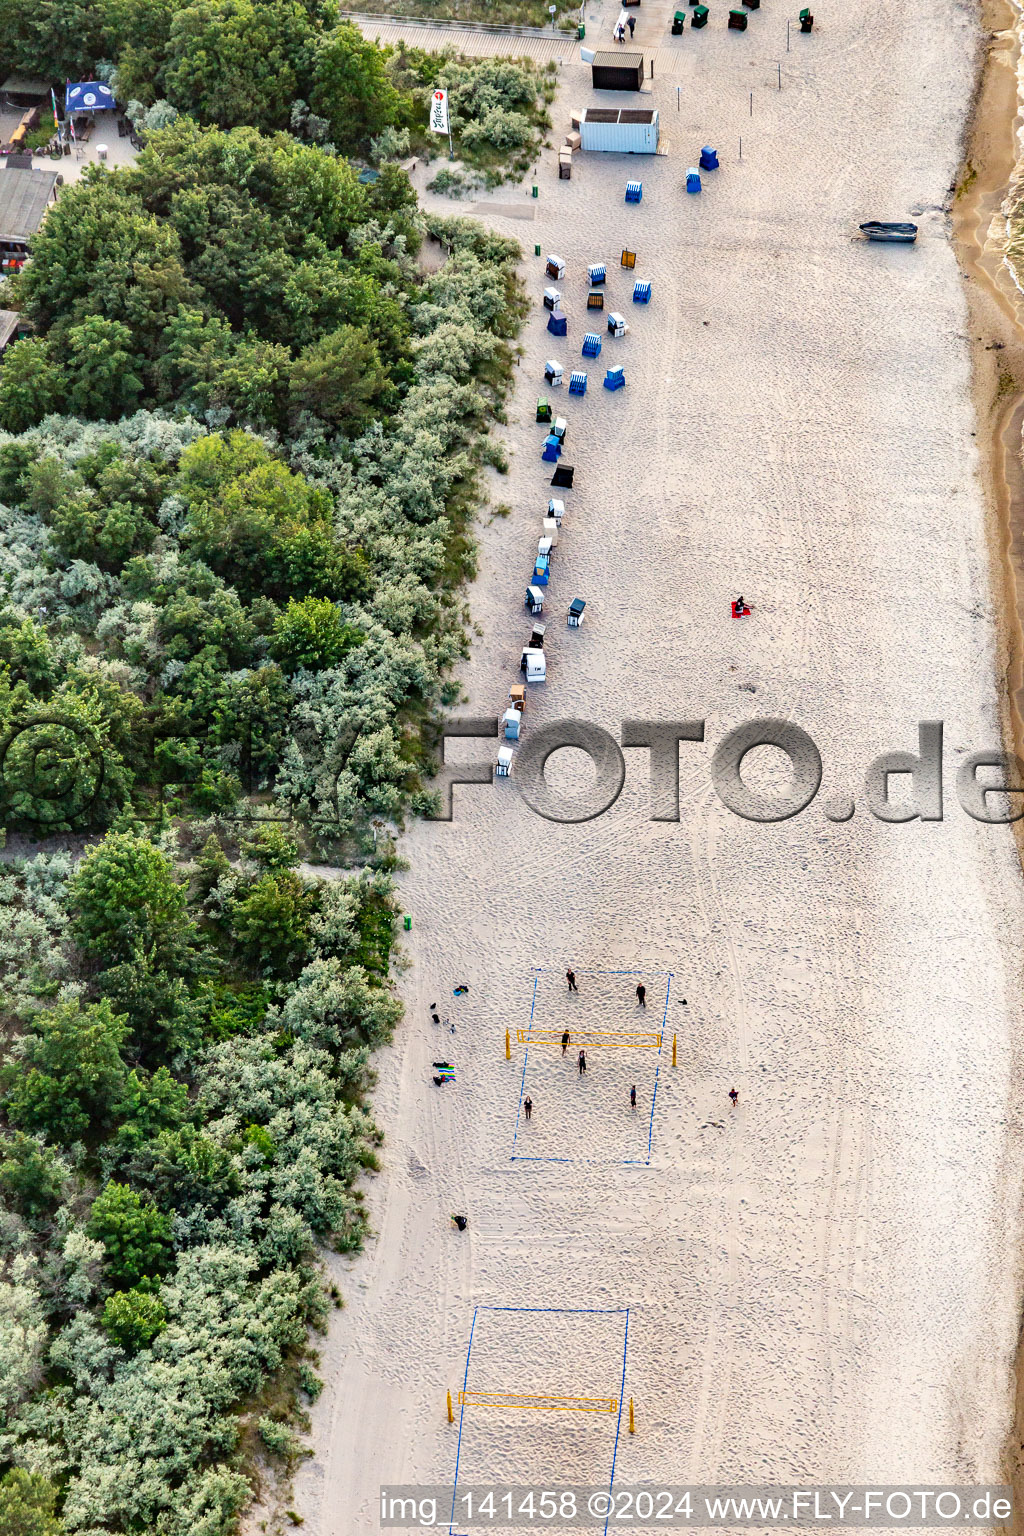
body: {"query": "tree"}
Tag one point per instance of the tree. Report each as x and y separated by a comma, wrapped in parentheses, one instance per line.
(339, 378)
(31, 1178)
(75, 1075)
(149, 1105)
(134, 1318)
(351, 88)
(27, 1504)
(135, 1235)
(270, 923)
(101, 368)
(32, 383)
(231, 62)
(127, 898)
(312, 634)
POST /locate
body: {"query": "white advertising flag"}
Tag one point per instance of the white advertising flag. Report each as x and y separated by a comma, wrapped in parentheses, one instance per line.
(439, 112)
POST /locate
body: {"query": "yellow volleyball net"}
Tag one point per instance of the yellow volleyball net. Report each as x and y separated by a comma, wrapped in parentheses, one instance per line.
(587, 1039)
(538, 1400)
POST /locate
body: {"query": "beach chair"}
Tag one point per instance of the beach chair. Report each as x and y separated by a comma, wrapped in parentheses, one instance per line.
(617, 324)
(545, 548)
(563, 475)
(752, 5)
(552, 450)
(597, 272)
(543, 408)
(692, 179)
(678, 22)
(615, 379)
(533, 602)
(634, 191)
(577, 384)
(559, 427)
(536, 640)
(552, 298)
(503, 768)
(554, 267)
(738, 21)
(511, 724)
(517, 697)
(700, 16)
(708, 158)
(591, 344)
(534, 664)
(541, 571)
(806, 20)
(595, 300)
(565, 165)
(641, 293)
(553, 373)
(557, 323)
(575, 616)
(556, 510)
(551, 531)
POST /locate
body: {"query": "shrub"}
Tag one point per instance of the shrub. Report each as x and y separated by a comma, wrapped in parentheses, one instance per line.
(134, 1318)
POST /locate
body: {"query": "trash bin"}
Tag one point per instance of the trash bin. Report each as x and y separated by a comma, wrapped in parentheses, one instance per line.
(678, 22)
(581, 31)
(408, 922)
(700, 16)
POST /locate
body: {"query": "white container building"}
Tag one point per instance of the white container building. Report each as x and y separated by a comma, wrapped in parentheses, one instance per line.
(625, 131)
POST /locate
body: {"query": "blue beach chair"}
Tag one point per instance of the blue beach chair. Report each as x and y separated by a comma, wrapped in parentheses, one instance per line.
(614, 379)
(641, 293)
(591, 345)
(634, 191)
(578, 382)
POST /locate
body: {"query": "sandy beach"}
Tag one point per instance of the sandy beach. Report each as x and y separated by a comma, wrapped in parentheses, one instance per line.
(821, 1283)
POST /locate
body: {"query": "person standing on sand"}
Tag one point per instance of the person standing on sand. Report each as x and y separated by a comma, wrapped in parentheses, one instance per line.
(570, 977)
(565, 1041)
(581, 1062)
(641, 994)
(528, 1107)
(632, 1098)
(734, 1096)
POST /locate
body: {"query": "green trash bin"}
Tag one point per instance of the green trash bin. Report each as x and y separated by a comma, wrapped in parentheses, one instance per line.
(678, 22)
(581, 31)
(535, 190)
(700, 16)
(408, 922)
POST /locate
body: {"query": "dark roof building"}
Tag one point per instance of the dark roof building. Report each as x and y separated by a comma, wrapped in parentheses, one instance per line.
(24, 199)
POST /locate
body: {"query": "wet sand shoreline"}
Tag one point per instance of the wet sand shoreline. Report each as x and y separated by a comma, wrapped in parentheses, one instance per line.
(991, 169)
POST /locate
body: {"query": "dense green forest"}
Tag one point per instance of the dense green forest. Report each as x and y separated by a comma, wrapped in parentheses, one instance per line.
(240, 458)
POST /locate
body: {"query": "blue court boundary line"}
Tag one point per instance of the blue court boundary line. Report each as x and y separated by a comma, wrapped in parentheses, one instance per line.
(625, 1162)
(572, 1311)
